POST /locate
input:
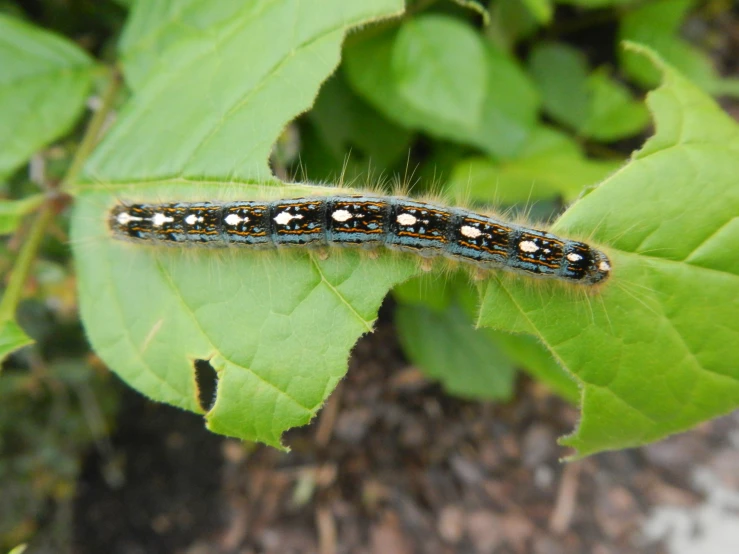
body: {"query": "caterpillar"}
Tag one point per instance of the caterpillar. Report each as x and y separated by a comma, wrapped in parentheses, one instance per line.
(399, 223)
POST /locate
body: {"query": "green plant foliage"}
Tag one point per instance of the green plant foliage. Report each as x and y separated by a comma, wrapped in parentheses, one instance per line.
(13, 211)
(509, 110)
(594, 105)
(550, 165)
(12, 338)
(150, 313)
(511, 21)
(439, 68)
(468, 362)
(657, 25)
(213, 86)
(655, 350)
(345, 124)
(533, 357)
(542, 10)
(44, 83)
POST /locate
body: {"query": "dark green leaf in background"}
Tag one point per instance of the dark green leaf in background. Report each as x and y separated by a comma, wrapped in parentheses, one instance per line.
(657, 24)
(345, 123)
(612, 113)
(439, 68)
(44, 82)
(466, 361)
(594, 105)
(551, 165)
(561, 73)
(509, 110)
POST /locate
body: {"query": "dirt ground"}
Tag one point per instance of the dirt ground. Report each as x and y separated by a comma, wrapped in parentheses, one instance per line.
(394, 465)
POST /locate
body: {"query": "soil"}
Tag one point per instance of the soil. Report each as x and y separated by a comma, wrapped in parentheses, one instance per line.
(394, 465)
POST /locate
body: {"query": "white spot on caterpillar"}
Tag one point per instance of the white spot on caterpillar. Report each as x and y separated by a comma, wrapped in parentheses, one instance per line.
(283, 218)
(406, 219)
(574, 257)
(192, 219)
(547, 251)
(470, 232)
(528, 246)
(341, 215)
(604, 266)
(234, 219)
(160, 219)
(124, 218)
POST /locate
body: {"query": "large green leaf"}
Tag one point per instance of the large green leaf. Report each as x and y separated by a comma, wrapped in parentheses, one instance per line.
(277, 328)
(657, 348)
(44, 82)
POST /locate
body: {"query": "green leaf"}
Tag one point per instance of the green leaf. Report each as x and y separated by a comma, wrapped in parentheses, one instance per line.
(477, 7)
(13, 211)
(509, 111)
(435, 292)
(541, 9)
(613, 113)
(12, 338)
(447, 347)
(561, 72)
(656, 348)
(218, 134)
(163, 37)
(345, 122)
(511, 21)
(530, 355)
(657, 25)
(277, 328)
(44, 82)
(595, 105)
(551, 165)
(439, 68)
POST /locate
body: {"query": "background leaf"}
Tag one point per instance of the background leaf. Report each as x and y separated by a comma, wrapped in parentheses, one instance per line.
(655, 349)
(594, 105)
(657, 25)
(550, 165)
(12, 212)
(439, 68)
(12, 338)
(509, 110)
(277, 329)
(44, 83)
(446, 346)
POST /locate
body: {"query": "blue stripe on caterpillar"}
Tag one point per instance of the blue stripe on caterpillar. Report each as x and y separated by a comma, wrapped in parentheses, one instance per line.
(364, 221)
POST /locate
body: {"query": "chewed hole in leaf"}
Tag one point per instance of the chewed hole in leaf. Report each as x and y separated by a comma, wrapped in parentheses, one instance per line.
(207, 381)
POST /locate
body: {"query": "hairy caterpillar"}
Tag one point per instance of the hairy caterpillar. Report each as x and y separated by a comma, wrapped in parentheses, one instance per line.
(363, 221)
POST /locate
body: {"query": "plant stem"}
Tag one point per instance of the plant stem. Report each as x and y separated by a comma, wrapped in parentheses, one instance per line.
(22, 265)
(92, 133)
